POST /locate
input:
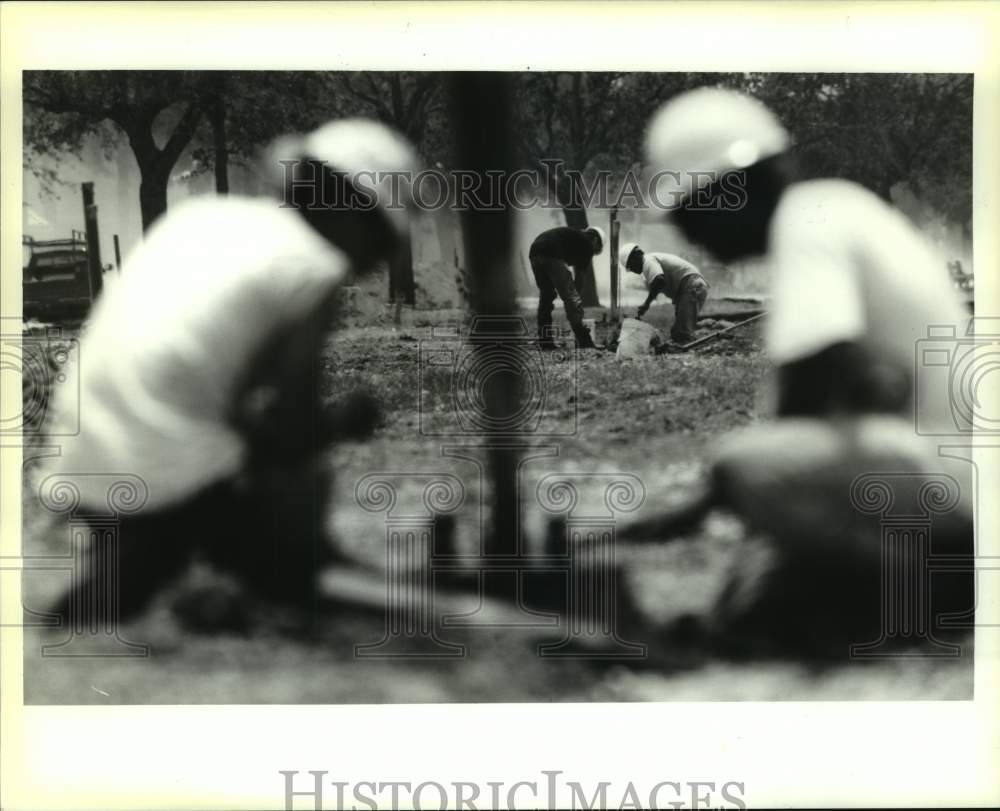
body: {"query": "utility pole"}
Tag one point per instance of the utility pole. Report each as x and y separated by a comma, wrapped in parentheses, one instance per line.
(481, 104)
(94, 267)
(615, 272)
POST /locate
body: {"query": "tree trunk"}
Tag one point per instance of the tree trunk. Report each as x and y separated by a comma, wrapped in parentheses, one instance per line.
(402, 286)
(220, 148)
(586, 286)
(152, 197)
(155, 164)
(576, 217)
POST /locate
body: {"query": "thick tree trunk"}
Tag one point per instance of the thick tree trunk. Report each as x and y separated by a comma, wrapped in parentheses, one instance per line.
(155, 164)
(402, 286)
(219, 146)
(586, 285)
(576, 217)
(152, 197)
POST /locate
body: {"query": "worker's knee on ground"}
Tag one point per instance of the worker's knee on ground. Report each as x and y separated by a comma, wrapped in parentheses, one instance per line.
(788, 448)
(758, 462)
(809, 482)
(818, 603)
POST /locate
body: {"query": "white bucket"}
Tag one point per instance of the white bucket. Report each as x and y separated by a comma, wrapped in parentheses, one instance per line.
(634, 340)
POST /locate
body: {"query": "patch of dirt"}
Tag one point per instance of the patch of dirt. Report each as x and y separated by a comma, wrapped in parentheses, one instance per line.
(652, 418)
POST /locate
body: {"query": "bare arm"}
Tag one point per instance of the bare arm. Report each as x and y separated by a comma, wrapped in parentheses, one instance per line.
(655, 288)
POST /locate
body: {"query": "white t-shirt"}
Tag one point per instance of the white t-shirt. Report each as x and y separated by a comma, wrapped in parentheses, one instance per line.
(164, 348)
(848, 267)
(673, 268)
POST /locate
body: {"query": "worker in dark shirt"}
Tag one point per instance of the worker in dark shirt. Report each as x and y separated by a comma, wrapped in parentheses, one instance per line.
(552, 254)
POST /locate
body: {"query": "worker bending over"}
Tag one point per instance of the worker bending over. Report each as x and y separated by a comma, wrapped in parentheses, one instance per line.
(855, 288)
(202, 372)
(675, 278)
(552, 254)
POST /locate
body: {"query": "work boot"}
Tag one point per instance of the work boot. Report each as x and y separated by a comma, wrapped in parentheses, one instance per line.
(583, 339)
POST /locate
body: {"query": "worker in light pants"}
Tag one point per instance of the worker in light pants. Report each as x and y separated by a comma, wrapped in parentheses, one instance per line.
(854, 289)
(673, 277)
(201, 370)
(552, 254)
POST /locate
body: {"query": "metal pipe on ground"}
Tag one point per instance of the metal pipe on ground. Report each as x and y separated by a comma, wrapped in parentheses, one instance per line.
(709, 338)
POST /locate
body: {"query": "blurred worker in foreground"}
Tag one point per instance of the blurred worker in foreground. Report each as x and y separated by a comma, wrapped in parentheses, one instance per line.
(675, 278)
(200, 371)
(551, 255)
(854, 287)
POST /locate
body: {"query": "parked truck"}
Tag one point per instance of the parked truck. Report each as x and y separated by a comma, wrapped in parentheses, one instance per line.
(56, 280)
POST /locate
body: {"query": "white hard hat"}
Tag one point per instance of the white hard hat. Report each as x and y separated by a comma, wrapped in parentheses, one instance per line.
(625, 252)
(593, 229)
(709, 130)
(360, 146)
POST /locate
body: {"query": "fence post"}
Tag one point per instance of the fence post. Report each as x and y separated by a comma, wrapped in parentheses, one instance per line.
(482, 108)
(613, 251)
(93, 241)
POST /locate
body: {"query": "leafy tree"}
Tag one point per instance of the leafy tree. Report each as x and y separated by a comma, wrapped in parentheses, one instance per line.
(248, 109)
(412, 103)
(565, 117)
(63, 108)
(877, 129)
(222, 117)
(881, 129)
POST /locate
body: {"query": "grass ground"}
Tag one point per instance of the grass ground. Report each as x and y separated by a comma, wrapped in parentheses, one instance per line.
(650, 417)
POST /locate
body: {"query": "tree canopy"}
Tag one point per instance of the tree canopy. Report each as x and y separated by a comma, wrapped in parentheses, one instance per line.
(877, 129)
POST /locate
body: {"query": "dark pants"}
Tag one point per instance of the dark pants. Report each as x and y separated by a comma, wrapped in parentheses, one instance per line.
(819, 580)
(554, 278)
(265, 525)
(267, 529)
(687, 307)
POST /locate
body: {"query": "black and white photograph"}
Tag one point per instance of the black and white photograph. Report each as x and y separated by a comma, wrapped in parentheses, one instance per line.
(453, 385)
